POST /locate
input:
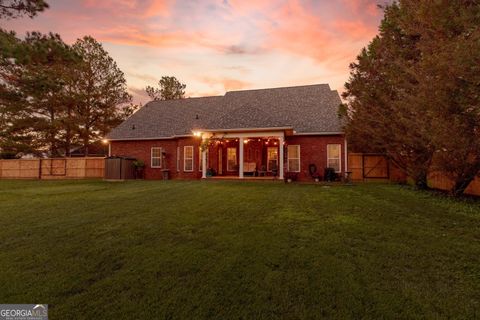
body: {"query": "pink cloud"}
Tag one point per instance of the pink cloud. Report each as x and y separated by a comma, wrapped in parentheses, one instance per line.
(138, 8)
(299, 32)
(247, 6)
(360, 6)
(355, 29)
(227, 83)
(233, 44)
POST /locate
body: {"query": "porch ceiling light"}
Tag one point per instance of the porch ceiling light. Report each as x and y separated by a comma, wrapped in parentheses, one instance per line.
(104, 141)
(197, 133)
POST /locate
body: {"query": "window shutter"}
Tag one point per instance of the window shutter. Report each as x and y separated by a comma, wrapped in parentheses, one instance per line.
(161, 157)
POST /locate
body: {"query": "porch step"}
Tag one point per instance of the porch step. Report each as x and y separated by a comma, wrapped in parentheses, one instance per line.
(233, 178)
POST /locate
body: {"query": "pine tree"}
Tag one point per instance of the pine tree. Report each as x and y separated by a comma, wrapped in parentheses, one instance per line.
(170, 88)
(381, 114)
(100, 92)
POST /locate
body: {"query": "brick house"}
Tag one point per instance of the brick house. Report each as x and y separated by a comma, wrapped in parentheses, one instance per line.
(258, 133)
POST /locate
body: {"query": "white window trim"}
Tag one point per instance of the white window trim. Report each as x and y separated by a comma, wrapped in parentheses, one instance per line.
(151, 157)
(185, 159)
(339, 156)
(290, 158)
(236, 160)
(268, 160)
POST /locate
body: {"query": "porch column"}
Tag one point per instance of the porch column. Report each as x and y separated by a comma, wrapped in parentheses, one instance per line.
(204, 164)
(240, 157)
(281, 166)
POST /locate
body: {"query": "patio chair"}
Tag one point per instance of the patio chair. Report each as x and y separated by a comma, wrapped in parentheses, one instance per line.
(263, 171)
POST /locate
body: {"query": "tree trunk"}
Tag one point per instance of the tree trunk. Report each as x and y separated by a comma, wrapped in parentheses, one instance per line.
(420, 180)
(68, 132)
(68, 143)
(51, 134)
(85, 145)
(461, 184)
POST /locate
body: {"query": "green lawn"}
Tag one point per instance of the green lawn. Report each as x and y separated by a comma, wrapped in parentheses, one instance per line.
(232, 250)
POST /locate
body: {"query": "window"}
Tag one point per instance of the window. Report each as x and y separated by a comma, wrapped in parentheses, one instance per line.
(156, 157)
(178, 159)
(272, 158)
(200, 158)
(188, 158)
(231, 159)
(334, 156)
(293, 154)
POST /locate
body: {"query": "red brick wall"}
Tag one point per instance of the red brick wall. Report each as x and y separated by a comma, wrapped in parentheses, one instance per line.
(141, 149)
(313, 150)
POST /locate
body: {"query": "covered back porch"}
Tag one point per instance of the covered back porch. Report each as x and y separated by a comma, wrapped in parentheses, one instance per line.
(253, 155)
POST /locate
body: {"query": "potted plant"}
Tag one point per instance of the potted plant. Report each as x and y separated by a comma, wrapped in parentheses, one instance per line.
(290, 177)
(139, 166)
(211, 172)
(312, 169)
(316, 177)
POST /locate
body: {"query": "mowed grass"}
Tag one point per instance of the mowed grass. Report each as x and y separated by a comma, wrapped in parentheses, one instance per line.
(237, 250)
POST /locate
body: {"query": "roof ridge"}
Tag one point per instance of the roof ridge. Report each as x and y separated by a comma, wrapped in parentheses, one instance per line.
(284, 87)
(152, 102)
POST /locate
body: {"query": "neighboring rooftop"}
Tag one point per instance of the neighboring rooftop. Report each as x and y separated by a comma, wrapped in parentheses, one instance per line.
(307, 109)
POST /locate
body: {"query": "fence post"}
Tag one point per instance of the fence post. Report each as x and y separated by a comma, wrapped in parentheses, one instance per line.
(363, 166)
(40, 169)
(388, 168)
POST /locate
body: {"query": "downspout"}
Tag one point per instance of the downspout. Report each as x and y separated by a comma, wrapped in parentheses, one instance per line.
(346, 155)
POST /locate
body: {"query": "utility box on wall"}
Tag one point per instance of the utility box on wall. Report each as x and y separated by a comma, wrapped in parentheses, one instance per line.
(119, 168)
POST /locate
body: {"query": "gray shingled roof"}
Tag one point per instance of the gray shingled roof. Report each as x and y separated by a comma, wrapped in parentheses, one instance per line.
(307, 109)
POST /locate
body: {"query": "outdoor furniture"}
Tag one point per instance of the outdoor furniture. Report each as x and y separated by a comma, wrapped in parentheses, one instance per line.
(249, 168)
(274, 169)
(330, 175)
(165, 174)
(263, 171)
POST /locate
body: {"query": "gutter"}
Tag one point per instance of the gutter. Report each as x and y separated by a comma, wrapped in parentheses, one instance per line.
(317, 133)
(234, 130)
(152, 138)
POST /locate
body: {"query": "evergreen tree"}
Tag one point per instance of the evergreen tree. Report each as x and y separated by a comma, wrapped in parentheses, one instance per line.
(16, 8)
(100, 92)
(169, 88)
(381, 112)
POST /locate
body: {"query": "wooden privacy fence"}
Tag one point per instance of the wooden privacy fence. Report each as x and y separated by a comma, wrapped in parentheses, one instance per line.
(365, 167)
(438, 180)
(52, 168)
(369, 166)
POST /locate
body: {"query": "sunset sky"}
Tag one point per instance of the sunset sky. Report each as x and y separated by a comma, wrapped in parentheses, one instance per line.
(214, 46)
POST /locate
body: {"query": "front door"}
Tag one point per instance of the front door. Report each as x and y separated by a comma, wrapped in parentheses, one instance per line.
(272, 159)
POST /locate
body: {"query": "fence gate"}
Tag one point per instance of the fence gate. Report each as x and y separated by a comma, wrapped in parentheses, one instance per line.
(375, 167)
(368, 166)
(53, 167)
